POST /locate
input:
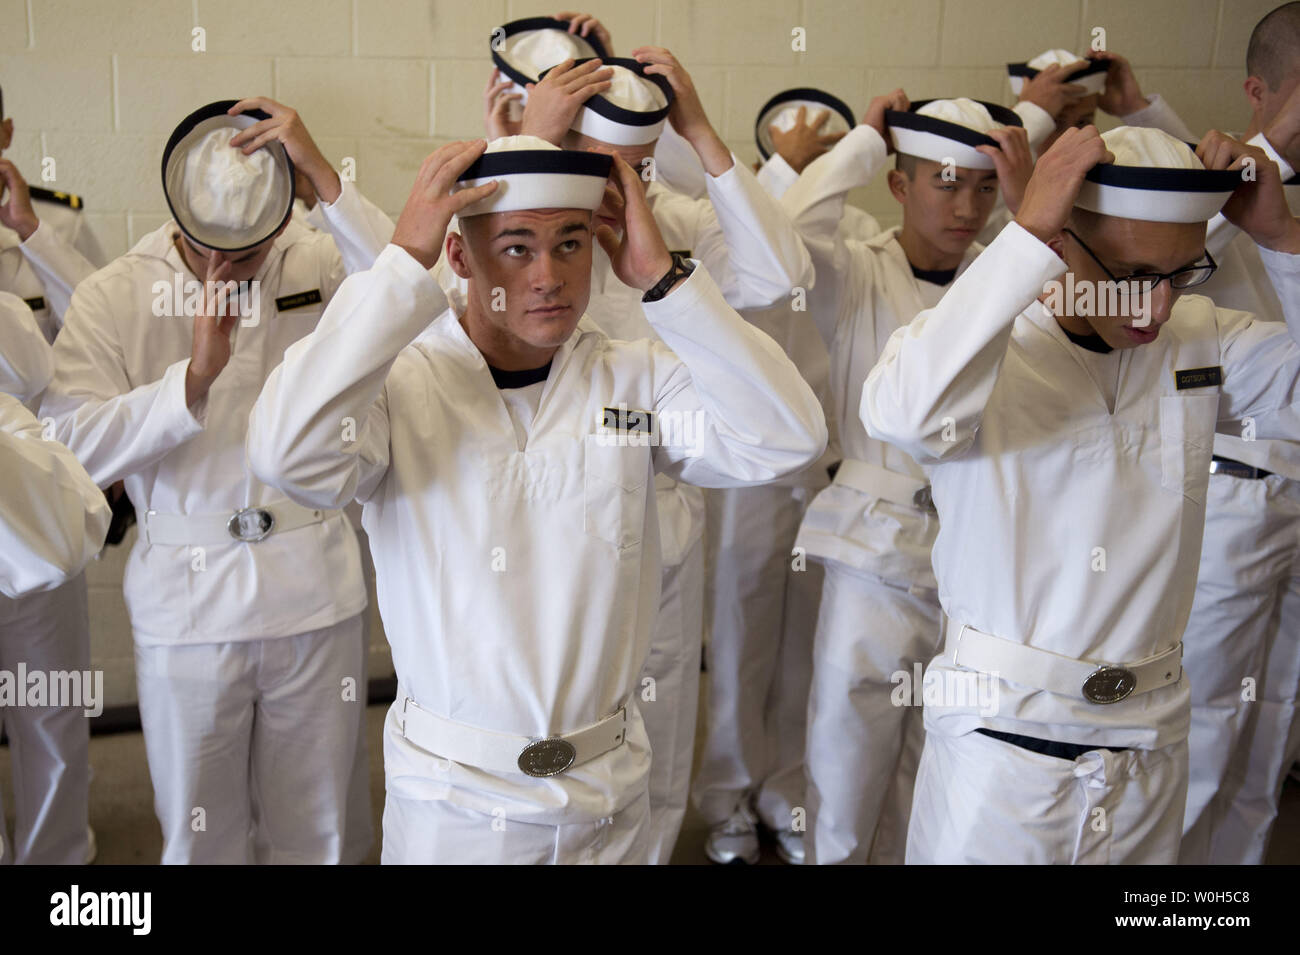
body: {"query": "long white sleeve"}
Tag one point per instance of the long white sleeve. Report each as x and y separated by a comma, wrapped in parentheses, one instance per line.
(748, 242)
(760, 422)
(53, 519)
(360, 228)
(114, 429)
(928, 392)
(1158, 114)
(59, 266)
(329, 388)
(26, 364)
(1039, 123)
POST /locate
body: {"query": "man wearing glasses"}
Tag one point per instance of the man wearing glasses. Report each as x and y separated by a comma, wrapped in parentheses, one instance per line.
(1068, 440)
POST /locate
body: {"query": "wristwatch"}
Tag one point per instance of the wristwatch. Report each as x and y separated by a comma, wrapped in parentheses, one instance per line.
(681, 268)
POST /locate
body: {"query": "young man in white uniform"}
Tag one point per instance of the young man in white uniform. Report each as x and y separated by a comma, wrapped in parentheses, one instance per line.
(245, 607)
(1069, 468)
(45, 250)
(751, 249)
(1243, 637)
(506, 484)
(873, 528)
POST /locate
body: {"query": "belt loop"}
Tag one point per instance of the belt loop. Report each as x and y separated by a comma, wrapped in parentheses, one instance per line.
(957, 646)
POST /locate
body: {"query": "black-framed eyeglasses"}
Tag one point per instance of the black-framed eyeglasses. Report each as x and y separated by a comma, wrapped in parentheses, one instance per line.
(1144, 283)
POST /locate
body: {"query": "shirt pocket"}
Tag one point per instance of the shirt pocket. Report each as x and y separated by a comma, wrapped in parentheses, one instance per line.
(615, 483)
(1187, 443)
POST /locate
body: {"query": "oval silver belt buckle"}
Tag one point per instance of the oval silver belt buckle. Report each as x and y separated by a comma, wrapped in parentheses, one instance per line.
(1109, 685)
(547, 757)
(251, 524)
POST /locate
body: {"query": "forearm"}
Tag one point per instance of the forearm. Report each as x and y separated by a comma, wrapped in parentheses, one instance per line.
(762, 420)
(815, 203)
(360, 229)
(312, 431)
(928, 392)
(750, 242)
(26, 364)
(58, 266)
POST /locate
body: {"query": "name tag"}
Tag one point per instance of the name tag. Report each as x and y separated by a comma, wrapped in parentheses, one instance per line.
(35, 304)
(1198, 377)
(626, 420)
(288, 302)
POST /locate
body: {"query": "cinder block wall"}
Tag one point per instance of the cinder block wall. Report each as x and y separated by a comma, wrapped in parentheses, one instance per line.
(98, 85)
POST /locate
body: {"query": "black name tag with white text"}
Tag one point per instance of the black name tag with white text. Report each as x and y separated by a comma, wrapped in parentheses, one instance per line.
(1198, 377)
(627, 420)
(301, 300)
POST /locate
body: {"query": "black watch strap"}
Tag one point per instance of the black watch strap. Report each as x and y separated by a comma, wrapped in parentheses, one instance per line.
(681, 267)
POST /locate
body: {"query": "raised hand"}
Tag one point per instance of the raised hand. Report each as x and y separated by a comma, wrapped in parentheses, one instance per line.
(640, 257)
(16, 210)
(422, 226)
(555, 100)
(284, 124)
(1014, 162)
(804, 141)
(1058, 174)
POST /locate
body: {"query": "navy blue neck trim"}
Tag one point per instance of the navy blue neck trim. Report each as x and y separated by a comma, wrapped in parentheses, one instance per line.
(934, 276)
(519, 379)
(1093, 342)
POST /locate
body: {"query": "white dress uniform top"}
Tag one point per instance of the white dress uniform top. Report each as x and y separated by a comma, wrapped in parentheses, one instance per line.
(26, 363)
(873, 534)
(1045, 472)
(53, 520)
(1246, 616)
(204, 606)
(448, 472)
(50, 628)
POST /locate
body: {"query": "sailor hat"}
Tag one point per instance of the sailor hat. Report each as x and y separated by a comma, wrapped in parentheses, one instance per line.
(1091, 77)
(949, 129)
(219, 197)
(1156, 177)
(535, 174)
(783, 109)
(632, 112)
(525, 49)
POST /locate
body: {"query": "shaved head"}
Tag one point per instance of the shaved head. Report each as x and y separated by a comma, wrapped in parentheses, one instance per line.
(1274, 51)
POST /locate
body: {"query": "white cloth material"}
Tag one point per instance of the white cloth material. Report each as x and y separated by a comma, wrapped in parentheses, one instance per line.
(258, 734)
(1243, 622)
(961, 112)
(677, 166)
(534, 189)
(1092, 83)
(53, 518)
(864, 291)
(861, 712)
(777, 177)
(520, 650)
(438, 832)
(1158, 114)
(48, 745)
(633, 93)
(533, 52)
(118, 397)
(225, 190)
(1247, 601)
(26, 362)
(1153, 149)
(48, 266)
(984, 801)
(988, 394)
(761, 617)
(669, 703)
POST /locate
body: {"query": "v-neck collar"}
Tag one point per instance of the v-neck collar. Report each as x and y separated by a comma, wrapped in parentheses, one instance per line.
(1040, 315)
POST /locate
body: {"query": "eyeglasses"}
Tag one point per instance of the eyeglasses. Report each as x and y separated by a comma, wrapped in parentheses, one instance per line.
(1140, 284)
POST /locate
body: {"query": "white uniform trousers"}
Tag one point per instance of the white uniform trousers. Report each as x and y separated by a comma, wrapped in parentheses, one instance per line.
(981, 800)
(437, 832)
(1241, 651)
(252, 745)
(360, 833)
(674, 665)
(49, 746)
(859, 764)
(763, 611)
